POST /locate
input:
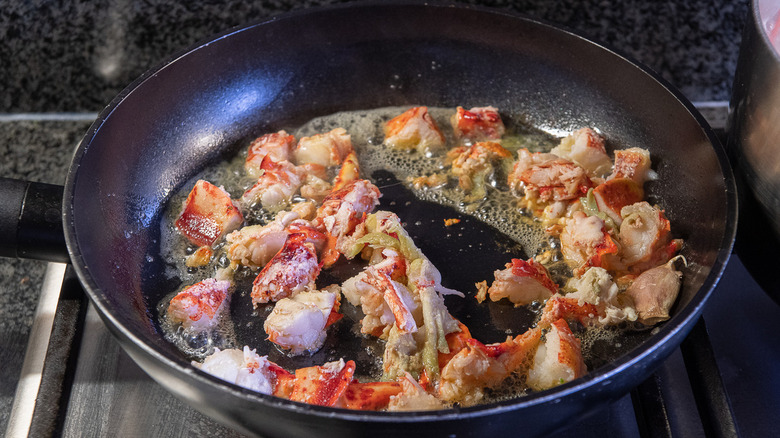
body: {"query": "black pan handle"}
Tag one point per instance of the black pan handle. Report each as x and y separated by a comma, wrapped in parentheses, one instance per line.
(31, 221)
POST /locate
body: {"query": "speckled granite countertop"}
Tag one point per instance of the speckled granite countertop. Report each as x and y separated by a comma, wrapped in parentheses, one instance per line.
(61, 62)
(74, 56)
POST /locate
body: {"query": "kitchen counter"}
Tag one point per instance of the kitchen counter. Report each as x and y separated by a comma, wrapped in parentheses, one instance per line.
(62, 63)
(75, 56)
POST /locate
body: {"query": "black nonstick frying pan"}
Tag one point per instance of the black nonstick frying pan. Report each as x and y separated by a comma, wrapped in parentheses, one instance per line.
(208, 102)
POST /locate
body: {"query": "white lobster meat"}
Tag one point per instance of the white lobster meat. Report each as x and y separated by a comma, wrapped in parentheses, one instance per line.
(298, 324)
(414, 129)
(199, 307)
(558, 360)
(243, 368)
(207, 214)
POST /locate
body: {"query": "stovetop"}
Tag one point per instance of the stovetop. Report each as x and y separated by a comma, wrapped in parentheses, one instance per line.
(77, 381)
(64, 375)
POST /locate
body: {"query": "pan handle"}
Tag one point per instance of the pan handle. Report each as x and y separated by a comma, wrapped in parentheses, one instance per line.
(31, 221)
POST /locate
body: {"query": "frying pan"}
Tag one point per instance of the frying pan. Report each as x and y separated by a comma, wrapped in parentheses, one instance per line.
(208, 102)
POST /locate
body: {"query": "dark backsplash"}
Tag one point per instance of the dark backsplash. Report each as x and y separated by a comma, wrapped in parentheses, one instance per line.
(75, 56)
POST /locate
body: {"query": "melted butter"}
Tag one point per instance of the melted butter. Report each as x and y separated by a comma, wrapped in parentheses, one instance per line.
(499, 209)
(366, 131)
